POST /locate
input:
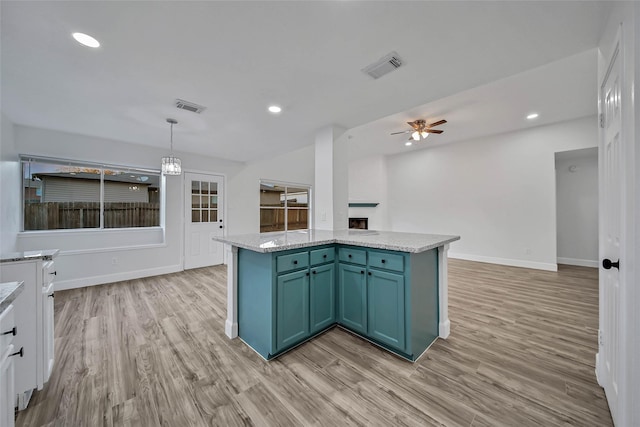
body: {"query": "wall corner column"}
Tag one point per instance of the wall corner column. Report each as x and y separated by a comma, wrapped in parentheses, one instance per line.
(444, 326)
(231, 324)
(331, 189)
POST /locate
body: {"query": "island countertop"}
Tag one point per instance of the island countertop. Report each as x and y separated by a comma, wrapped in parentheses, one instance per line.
(9, 291)
(394, 241)
(45, 255)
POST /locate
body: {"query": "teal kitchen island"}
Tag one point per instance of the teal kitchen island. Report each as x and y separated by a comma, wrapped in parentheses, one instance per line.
(389, 288)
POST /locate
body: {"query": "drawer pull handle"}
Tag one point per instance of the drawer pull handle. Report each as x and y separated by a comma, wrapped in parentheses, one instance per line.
(314, 272)
(20, 352)
(295, 262)
(369, 273)
(13, 332)
(324, 256)
(55, 273)
(383, 261)
(308, 273)
(349, 255)
(361, 272)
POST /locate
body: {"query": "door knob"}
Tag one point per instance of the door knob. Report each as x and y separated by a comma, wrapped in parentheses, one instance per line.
(607, 264)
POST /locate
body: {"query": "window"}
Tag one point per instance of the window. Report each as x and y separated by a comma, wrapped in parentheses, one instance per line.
(58, 194)
(204, 201)
(283, 207)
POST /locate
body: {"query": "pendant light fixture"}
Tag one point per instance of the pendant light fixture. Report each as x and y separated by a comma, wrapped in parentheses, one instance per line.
(171, 165)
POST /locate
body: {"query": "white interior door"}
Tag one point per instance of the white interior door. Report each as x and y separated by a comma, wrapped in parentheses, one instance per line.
(204, 201)
(611, 170)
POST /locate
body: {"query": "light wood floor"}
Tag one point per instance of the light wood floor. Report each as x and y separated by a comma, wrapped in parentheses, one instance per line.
(153, 352)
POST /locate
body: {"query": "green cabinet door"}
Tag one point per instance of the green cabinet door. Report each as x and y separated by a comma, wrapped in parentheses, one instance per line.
(387, 308)
(352, 298)
(292, 308)
(323, 299)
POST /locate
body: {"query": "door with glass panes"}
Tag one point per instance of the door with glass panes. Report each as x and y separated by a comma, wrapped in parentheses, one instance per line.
(203, 220)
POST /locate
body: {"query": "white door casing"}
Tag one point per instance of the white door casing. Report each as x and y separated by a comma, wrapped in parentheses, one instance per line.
(204, 202)
(611, 348)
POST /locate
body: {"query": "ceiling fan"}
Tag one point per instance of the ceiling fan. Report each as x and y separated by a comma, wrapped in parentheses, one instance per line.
(421, 129)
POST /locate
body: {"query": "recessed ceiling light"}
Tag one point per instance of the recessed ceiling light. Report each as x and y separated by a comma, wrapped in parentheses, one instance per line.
(86, 40)
(408, 143)
(532, 116)
(274, 109)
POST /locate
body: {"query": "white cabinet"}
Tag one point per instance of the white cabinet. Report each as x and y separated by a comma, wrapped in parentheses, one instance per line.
(7, 356)
(34, 321)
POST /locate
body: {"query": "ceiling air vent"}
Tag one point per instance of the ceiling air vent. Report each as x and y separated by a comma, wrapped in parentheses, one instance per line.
(383, 66)
(189, 106)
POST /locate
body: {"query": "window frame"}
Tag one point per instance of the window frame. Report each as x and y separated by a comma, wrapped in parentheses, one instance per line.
(24, 158)
(286, 185)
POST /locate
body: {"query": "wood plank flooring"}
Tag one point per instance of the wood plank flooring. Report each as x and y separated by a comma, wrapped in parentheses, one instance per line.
(152, 352)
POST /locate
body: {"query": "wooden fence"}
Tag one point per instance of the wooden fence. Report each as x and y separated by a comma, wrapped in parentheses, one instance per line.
(273, 219)
(65, 215)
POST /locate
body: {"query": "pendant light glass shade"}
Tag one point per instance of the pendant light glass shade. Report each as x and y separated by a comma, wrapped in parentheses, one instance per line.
(171, 165)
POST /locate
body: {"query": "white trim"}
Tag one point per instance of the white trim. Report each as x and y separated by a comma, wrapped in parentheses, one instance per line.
(579, 262)
(115, 277)
(231, 324)
(111, 249)
(444, 326)
(506, 261)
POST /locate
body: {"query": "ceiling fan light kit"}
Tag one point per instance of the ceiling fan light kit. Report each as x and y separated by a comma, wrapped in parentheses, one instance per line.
(421, 130)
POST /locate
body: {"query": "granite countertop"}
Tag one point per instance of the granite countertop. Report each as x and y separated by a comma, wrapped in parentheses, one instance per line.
(9, 291)
(395, 241)
(45, 255)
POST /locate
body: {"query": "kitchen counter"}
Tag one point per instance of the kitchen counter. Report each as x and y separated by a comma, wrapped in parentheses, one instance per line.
(9, 292)
(44, 255)
(417, 261)
(393, 241)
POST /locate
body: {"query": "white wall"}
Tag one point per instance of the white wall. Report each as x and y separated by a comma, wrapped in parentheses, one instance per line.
(368, 183)
(243, 191)
(577, 207)
(86, 257)
(9, 187)
(497, 192)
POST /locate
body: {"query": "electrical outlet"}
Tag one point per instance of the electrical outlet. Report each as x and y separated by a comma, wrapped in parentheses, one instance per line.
(323, 216)
(114, 261)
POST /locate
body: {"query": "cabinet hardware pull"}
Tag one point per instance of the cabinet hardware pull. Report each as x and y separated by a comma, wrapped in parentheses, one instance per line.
(383, 261)
(361, 272)
(55, 273)
(369, 273)
(307, 273)
(21, 353)
(13, 332)
(295, 262)
(314, 272)
(607, 264)
(324, 256)
(349, 255)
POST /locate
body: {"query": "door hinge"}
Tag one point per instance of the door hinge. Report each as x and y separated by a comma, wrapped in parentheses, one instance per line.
(600, 338)
(602, 120)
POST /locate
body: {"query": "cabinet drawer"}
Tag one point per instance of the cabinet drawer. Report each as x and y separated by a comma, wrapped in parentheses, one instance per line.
(7, 323)
(291, 262)
(386, 261)
(354, 256)
(320, 256)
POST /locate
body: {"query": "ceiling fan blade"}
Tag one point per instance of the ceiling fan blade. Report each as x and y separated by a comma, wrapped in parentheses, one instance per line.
(414, 125)
(398, 133)
(433, 131)
(438, 123)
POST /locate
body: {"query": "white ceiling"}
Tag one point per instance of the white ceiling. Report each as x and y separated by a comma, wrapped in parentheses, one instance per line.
(236, 58)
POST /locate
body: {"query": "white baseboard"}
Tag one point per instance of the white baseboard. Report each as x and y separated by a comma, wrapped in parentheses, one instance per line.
(506, 261)
(115, 277)
(579, 262)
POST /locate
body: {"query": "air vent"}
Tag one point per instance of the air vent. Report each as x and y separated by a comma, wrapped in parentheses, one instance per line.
(189, 106)
(383, 66)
